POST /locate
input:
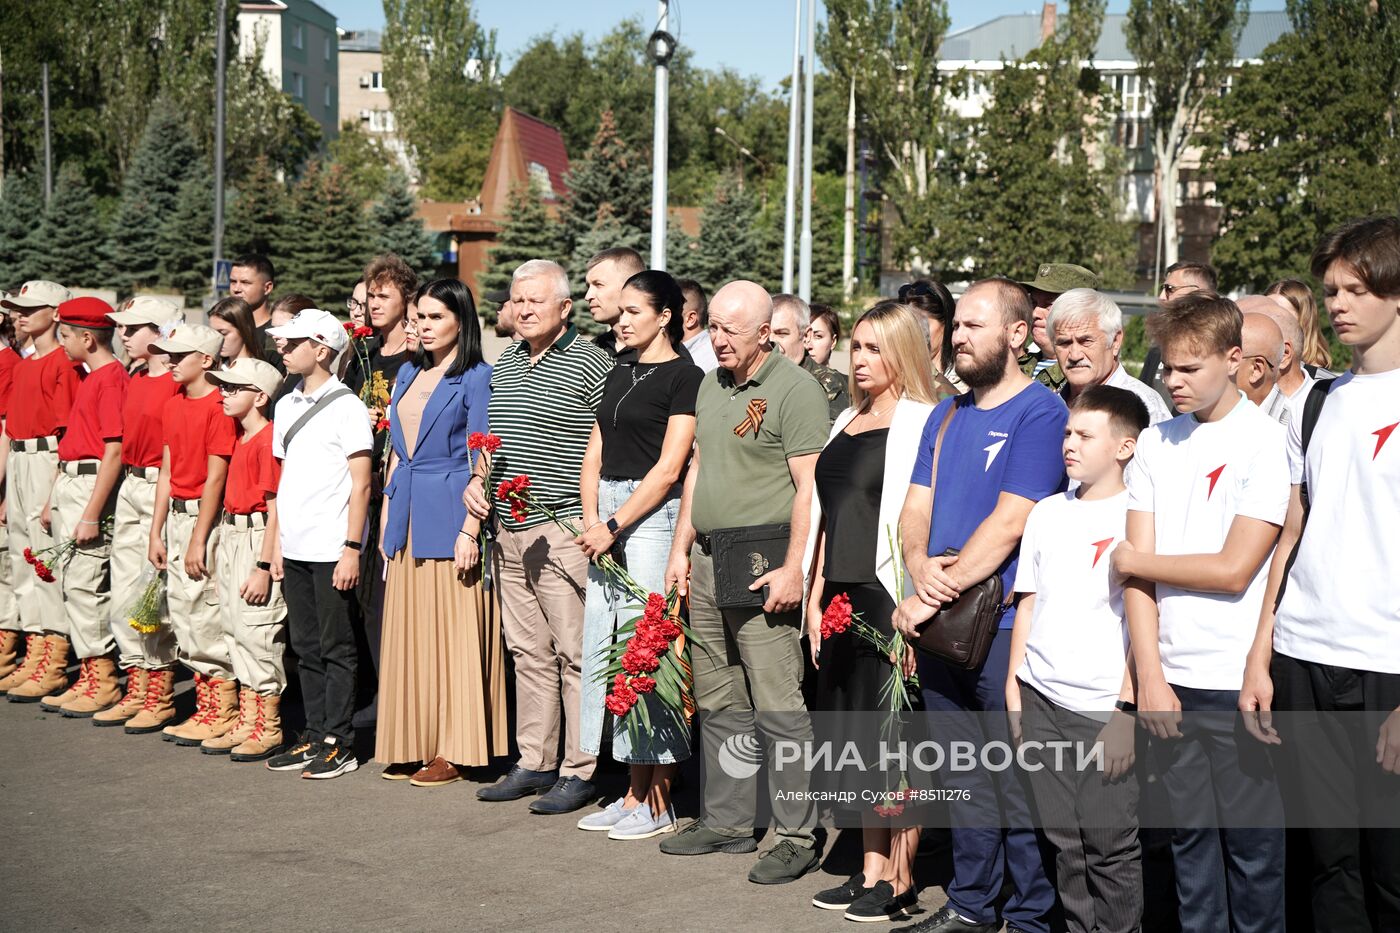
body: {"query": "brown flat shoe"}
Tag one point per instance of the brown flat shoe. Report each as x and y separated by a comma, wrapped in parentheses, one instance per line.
(401, 772)
(437, 772)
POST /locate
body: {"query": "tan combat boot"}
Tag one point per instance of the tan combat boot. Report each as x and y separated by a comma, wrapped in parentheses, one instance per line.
(9, 652)
(137, 680)
(266, 737)
(182, 733)
(158, 708)
(34, 649)
(219, 716)
(247, 712)
(101, 693)
(56, 702)
(50, 674)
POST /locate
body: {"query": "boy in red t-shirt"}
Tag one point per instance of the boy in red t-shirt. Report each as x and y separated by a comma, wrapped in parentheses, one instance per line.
(41, 393)
(147, 658)
(80, 509)
(199, 440)
(250, 566)
(10, 639)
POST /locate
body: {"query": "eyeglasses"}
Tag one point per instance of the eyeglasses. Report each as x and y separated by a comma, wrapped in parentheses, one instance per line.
(232, 390)
(1166, 291)
(355, 304)
(1259, 356)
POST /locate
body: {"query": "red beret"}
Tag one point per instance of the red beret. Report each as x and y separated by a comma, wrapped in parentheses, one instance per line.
(85, 312)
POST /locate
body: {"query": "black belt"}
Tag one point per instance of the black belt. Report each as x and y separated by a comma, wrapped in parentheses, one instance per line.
(80, 467)
(149, 474)
(704, 542)
(251, 520)
(34, 445)
(182, 506)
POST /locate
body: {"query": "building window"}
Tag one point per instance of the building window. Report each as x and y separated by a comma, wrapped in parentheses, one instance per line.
(376, 80)
(1131, 91)
(379, 121)
(298, 85)
(328, 96)
(298, 36)
(327, 42)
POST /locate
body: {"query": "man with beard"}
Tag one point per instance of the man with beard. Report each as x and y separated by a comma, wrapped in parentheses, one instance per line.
(1052, 279)
(1085, 328)
(998, 452)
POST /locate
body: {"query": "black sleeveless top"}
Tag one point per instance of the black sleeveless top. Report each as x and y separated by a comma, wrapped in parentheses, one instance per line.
(850, 475)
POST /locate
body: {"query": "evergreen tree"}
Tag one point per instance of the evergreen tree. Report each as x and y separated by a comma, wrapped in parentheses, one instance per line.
(150, 191)
(396, 226)
(187, 238)
(609, 199)
(680, 251)
(257, 213)
(327, 238)
(730, 245)
(68, 237)
(528, 233)
(21, 215)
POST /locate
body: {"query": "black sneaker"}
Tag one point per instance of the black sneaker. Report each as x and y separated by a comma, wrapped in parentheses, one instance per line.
(948, 921)
(881, 903)
(333, 761)
(296, 757)
(842, 896)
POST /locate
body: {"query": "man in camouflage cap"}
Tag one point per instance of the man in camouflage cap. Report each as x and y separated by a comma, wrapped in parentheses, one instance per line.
(1051, 280)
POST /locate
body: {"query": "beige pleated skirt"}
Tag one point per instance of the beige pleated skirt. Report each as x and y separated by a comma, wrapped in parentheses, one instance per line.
(442, 685)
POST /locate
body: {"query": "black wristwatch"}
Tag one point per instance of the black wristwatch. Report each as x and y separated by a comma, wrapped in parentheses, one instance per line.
(1124, 706)
(612, 526)
(263, 565)
(353, 545)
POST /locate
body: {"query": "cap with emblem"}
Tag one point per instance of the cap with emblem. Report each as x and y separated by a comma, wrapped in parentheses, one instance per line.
(313, 324)
(38, 294)
(85, 312)
(260, 375)
(190, 338)
(147, 309)
(1059, 277)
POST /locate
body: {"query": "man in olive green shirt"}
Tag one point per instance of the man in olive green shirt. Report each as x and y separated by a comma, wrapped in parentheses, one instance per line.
(1052, 279)
(760, 422)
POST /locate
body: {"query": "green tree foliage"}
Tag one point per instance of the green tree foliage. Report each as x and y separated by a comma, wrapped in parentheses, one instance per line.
(187, 239)
(327, 238)
(1307, 139)
(366, 159)
(730, 245)
(70, 236)
(395, 226)
(609, 199)
(21, 214)
(257, 213)
(1033, 179)
(440, 69)
(149, 195)
(527, 233)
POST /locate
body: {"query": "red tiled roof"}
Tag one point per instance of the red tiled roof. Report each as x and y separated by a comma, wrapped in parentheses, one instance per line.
(541, 143)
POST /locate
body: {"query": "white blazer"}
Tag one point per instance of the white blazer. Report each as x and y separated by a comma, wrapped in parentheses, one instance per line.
(901, 450)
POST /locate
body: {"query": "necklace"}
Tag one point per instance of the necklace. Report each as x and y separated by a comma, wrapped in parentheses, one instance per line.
(636, 381)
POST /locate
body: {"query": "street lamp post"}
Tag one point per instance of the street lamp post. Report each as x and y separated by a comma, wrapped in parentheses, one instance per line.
(660, 48)
(220, 52)
(804, 282)
(789, 207)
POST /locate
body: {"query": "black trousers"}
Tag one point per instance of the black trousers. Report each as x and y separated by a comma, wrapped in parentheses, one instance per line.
(321, 628)
(1334, 781)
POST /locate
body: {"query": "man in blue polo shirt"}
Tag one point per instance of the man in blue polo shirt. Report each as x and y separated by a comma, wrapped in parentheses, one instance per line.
(1000, 454)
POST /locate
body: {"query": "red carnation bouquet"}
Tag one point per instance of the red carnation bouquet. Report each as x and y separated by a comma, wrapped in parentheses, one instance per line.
(46, 559)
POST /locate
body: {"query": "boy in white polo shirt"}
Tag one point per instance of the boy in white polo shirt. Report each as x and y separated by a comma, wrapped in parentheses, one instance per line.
(1207, 493)
(321, 433)
(1334, 642)
(1069, 672)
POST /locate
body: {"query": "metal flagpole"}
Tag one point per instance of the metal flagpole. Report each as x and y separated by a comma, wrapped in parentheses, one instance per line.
(804, 283)
(222, 37)
(789, 215)
(662, 47)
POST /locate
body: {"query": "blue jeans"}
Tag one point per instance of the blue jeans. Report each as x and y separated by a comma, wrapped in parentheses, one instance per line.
(645, 546)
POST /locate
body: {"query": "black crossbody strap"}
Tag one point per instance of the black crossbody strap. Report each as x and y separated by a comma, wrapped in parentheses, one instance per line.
(311, 412)
(1312, 410)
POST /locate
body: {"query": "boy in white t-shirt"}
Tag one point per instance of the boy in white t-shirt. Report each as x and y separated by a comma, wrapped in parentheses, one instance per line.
(1207, 493)
(1329, 631)
(1070, 676)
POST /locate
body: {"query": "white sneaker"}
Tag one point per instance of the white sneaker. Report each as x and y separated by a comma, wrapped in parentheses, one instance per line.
(640, 824)
(605, 819)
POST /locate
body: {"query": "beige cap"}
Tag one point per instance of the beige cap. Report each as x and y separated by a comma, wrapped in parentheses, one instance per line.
(147, 309)
(248, 372)
(38, 294)
(190, 338)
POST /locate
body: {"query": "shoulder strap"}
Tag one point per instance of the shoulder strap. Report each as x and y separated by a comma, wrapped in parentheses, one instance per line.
(311, 412)
(938, 447)
(1312, 410)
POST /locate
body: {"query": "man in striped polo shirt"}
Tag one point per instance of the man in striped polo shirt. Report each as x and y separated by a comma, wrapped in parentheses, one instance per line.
(545, 391)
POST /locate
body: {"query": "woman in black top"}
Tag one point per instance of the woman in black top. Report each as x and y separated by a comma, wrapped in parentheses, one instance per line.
(631, 487)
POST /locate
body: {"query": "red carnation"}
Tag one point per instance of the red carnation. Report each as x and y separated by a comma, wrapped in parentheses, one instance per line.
(503, 490)
(349, 327)
(837, 617)
(619, 681)
(476, 441)
(643, 684)
(620, 701)
(519, 511)
(29, 556)
(492, 443)
(890, 811)
(382, 424)
(361, 332)
(638, 660)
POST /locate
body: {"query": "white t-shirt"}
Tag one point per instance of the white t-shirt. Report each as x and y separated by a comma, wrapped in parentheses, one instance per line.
(1078, 641)
(1195, 478)
(313, 498)
(1341, 605)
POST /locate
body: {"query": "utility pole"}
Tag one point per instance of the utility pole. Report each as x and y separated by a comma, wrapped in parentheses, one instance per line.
(2, 127)
(220, 54)
(848, 239)
(804, 281)
(48, 142)
(661, 47)
(789, 210)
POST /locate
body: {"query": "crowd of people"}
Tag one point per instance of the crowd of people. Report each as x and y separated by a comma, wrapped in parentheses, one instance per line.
(282, 483)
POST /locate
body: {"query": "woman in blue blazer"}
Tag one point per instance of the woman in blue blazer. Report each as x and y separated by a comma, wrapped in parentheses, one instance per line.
(442, 668)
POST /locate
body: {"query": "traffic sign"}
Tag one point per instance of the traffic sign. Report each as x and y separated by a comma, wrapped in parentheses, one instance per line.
(223, 269)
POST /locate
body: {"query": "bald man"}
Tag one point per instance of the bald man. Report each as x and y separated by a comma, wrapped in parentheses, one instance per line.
(760, 422)
(1257, 376)
(1293, 380)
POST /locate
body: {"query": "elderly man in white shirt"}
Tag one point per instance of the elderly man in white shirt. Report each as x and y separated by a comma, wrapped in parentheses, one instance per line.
(1293, 380)
(1257, 376)
(1086, 331)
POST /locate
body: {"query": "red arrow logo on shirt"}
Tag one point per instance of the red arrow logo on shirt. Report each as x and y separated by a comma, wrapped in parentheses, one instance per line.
(1100, 547)
(1382, 436)
(1214, 477)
